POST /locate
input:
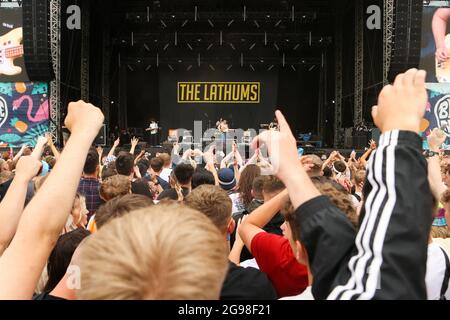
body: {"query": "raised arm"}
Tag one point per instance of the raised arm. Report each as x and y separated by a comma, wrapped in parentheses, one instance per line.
(11, 206)
(435, 140)
(261, 216)
(50, 143)
(113, 149)
(439, 26)
(134, 143)
(39, 148)
(44, 218)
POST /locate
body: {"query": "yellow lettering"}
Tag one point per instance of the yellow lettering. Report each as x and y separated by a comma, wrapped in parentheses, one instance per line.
(245, 93)
(197, 92)
(254, 92)
(213, 93)
(182, 87)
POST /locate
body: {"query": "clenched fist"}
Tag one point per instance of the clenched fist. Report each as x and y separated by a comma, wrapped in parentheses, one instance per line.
(83, 117)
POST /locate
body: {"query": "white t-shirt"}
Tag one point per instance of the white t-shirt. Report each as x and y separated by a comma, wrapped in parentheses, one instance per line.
(238, 206)
(435, 272)
(305, 295)
(251, 263)
(165, 174)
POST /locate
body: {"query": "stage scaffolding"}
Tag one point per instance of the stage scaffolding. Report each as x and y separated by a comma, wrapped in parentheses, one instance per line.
(55, 85)
(338, 80)
(359, 62)
(387, 37)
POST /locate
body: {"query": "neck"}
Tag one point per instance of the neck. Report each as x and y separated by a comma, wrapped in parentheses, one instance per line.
(186, 186)
(90, 176)
(61, 290)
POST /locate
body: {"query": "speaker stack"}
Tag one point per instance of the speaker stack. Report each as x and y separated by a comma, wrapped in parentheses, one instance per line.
(36, 40)
(407, 37)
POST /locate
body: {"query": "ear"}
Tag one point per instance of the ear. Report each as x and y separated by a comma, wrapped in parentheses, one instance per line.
(231, 226)
(300, 253)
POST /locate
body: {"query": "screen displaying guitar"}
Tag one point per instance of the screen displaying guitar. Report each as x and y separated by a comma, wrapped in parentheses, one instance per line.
(11, 48)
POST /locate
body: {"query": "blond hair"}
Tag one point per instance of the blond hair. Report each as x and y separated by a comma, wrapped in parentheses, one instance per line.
(117, 185)
(167, 252)
(213, 202)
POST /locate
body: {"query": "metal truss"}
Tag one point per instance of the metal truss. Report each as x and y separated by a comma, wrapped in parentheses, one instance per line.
(338, 80)
(359, 62)
(85, 38)
(55, 89)
(106, 47)
(388, 35)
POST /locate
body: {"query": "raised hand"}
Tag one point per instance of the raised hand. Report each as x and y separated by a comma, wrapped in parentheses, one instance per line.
(84, 118)
(134, 142)
(307, 163)
(49, 138)
(27, 168)
(282, 147)
(116, 143)
(402, 105)
(372, 145)
(436, 139)
(99, 151)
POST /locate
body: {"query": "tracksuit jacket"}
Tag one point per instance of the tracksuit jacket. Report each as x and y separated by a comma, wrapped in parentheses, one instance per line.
(386, 257)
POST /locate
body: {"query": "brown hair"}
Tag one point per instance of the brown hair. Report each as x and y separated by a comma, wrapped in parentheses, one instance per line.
(257, 186)
(272, 184)
(246, 179)
(440, 232)
(360, 177)
(339, 198)
(120, 206)
(6, 176)
(166, 158)
(214, 203)
(157, 164)
(167, 252)
(114, 186)
(445, 198)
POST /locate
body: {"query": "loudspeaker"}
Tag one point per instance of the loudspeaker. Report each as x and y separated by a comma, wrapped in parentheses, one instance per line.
(100, 140)
(406, 45)
(36, 40)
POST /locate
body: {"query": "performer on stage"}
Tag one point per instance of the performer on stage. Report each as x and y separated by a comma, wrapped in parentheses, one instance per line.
(274, 125)
(153, 129)
(222, 125)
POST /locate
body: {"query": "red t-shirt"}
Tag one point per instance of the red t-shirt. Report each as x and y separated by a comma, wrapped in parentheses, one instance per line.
(274, 256)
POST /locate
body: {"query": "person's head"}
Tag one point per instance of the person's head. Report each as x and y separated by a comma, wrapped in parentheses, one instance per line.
(61, 256)
(143, 167)
(157, 165)
(4, 166)
(120, 206)
(257, 187)
(91, 165)
(215, 203)
(291, 227)
(445, 200)
(246, 179)
(202, 176)
(167, 159)
(327, 173)
(183, 173)
(5, 155)
(107, 172)
(271, 187)
(446, 177)
(79, 213)
(51, 161)
(141, 186)
(125, 163)
(6, 176)
(164, 252)
(227, 181)
(115, 186)
(359, 178)
(317, 163)
(339, 168)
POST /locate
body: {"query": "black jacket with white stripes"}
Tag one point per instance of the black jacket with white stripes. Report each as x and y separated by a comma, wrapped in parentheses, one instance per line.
(386, 258)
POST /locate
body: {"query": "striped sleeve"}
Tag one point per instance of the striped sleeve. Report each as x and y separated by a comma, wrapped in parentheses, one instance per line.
(390, 255)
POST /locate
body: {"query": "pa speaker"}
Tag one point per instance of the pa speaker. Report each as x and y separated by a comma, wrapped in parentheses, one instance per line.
(407, 31)
(36, 40)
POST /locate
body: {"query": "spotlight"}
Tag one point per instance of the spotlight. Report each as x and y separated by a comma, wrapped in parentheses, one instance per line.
(229, 67)
(210, 23)
(270, 68)
(212, 67)
(170, 67)
(252, 46)
(210, 46)
(230, 23)
(148, 67)
(276, 46)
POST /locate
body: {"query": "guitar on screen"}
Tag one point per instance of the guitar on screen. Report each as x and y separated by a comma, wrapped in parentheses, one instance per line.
(11, 49)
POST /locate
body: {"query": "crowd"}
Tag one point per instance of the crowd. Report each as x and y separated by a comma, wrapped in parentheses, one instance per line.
(80, 224)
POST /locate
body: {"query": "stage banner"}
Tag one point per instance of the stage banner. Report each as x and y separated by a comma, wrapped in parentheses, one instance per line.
(244, 98)
(24, 113)
(12, 63)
